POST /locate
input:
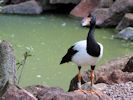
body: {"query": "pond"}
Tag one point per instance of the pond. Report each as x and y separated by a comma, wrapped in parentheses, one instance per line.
(48, 37)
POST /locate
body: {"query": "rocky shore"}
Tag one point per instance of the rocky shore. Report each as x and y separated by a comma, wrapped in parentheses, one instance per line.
(114, 81)
(114, 78)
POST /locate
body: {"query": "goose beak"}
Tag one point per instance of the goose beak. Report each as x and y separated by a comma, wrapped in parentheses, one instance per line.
(86, 21)
(89, 19)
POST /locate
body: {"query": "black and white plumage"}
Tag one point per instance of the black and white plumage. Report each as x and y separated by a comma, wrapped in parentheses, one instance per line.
(85, 52)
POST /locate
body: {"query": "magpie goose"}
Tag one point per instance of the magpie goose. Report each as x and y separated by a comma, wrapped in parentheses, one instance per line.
(85, 52)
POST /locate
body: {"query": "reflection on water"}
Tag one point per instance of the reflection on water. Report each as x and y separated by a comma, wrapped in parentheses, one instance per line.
(48, 37)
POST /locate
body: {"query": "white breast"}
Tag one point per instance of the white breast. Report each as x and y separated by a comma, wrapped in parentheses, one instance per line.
(82, 58)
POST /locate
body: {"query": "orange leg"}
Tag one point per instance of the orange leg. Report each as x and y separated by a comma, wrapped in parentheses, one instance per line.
(92, 82)
(92, 91)
(79, 83)
(79, 80)
(92, 77)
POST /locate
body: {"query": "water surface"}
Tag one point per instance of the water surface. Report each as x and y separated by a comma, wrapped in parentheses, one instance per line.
(48, 37)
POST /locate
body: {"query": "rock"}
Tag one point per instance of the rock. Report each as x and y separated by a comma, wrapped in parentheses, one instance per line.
(7, 66)
(116, 76)
(101, 14)
(105, 3)
(52, 93)
(64, 1)
(97, 87)
(101, 86)
(126, 21)
(102, 78)
(84, 8)
(29, 7)
(129, 66)
(111, 72)
(8, 2)
(17, 1)
(16, 93)
(46, 5)
(117, 11)
(126, 34)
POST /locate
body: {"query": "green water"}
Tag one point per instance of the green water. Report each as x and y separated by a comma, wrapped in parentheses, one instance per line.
(48, 37)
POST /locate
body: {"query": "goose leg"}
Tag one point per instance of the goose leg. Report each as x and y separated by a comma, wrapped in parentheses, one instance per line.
(79, 77)
(92, 80)
(92, 75)
(92, 91)
(80, 90)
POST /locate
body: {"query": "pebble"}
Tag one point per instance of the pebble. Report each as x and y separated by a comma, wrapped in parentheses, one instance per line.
(121, 91)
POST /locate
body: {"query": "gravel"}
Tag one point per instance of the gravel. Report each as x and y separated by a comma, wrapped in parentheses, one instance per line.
(121, 91)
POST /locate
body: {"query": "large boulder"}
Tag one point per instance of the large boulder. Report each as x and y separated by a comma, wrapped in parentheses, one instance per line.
(117, 11)
(8, 2)
(29, 7)
(129, 66)
(112, 72)
(15, 93)
(105, 3)
(52, 93)
(126, 21)
(84, 8)
(40, 92)
(101, 14)
(46, 5)
(63, 1)
(17, 1)
(126, 34)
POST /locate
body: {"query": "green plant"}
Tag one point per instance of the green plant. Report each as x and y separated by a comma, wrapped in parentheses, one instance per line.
(22, 63)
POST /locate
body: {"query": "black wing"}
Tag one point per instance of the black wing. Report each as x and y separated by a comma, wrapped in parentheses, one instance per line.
(70, 53)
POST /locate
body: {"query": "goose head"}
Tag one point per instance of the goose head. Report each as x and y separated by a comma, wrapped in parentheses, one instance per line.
(90, 19)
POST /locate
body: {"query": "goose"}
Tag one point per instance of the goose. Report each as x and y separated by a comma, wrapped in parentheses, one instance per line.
(85, 52)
